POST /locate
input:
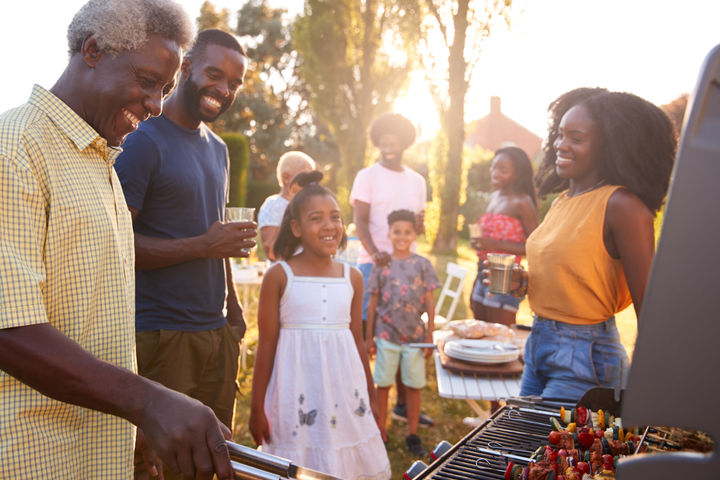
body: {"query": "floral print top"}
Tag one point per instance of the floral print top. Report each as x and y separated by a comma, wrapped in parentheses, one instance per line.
(400, 287)
(501, 227)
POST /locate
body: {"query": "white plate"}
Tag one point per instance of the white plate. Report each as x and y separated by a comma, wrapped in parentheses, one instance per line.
(479, 344)
(481, 351)
(484, 348)
(480, 360)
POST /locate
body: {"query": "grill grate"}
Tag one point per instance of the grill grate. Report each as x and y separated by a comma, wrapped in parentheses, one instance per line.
(511, 430)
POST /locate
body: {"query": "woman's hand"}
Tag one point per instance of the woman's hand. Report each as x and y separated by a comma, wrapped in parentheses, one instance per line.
(518, 284)
(485, 243)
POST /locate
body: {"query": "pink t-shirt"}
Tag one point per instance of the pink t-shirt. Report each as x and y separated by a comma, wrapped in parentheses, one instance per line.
(386, 191)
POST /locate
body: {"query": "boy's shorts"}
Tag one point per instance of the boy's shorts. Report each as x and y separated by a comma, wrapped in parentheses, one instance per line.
(390, 355)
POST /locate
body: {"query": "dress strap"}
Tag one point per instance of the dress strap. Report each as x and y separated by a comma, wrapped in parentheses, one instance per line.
(290, 278)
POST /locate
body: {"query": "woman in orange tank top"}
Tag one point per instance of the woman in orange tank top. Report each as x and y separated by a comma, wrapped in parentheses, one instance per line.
(611, 155)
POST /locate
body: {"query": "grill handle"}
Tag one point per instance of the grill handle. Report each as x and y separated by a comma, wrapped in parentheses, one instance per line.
(257, 459)
(246, 472)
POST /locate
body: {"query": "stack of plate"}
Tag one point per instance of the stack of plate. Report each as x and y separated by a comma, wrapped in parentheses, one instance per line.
(481, 351)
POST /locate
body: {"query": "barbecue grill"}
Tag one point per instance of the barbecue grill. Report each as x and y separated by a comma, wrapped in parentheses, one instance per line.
(513, 434)
(673, 378)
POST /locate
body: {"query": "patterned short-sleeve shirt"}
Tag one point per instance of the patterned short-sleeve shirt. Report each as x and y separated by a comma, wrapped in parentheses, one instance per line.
(67, 260)
(400, 287)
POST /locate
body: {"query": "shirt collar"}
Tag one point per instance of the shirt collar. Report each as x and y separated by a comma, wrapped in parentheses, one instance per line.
(72, 124)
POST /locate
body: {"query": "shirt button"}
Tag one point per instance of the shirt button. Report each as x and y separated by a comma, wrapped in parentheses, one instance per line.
(324, 300)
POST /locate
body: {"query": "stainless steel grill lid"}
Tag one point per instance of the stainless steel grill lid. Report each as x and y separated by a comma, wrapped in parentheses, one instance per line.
(674, 374)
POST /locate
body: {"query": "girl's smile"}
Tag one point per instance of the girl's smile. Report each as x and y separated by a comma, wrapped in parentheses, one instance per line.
(320, 226)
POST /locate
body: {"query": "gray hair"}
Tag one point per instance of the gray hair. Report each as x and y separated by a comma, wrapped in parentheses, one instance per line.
(121, 25)
(293, 162)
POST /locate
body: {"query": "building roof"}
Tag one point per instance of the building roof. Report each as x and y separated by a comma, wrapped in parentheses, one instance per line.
(496, 131)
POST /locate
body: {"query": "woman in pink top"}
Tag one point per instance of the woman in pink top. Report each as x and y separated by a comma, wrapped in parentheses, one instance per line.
(510, 217)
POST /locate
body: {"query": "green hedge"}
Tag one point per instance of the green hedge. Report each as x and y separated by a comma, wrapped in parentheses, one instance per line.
(258, 191)
(239, 152)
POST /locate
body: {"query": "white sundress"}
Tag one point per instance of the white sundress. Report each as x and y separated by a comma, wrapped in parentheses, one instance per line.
(317, 400)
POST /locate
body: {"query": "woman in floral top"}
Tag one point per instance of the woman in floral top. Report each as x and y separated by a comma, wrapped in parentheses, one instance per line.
(510, 217)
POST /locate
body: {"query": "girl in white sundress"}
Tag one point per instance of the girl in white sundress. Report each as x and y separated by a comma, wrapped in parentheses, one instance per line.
(313, 398)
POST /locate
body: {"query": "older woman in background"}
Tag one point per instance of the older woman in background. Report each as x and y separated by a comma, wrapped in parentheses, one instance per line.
(272, 210)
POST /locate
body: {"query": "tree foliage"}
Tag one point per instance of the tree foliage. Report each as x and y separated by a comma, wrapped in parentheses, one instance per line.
(460, 25)
(239, 154)
(210, 17)
(269, 108)
(355, 58)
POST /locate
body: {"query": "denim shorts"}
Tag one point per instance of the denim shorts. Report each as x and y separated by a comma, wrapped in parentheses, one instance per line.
(480, 294)
(411, 361)
(564, 360)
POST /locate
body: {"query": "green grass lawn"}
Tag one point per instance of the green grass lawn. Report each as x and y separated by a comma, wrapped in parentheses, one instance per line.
(448, 414)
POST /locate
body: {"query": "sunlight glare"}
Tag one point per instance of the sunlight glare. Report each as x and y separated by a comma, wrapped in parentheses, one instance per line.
(417, 105)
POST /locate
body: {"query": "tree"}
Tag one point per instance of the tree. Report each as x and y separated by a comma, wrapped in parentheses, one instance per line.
(269, 109)
(461, 25)
(211, 18)
(355, 58)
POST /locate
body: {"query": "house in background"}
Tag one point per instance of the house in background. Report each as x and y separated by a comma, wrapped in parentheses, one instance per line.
(496, 131)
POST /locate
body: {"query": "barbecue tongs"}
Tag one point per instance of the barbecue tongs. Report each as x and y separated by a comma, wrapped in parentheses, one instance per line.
(251, 464)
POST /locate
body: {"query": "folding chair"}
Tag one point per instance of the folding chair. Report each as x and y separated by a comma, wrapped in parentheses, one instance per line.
(454, 272)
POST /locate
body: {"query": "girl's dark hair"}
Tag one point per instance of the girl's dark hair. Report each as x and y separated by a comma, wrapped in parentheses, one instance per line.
(523, 170)
(636, 146)
(401, 216)
(392, 124)
(286, 242)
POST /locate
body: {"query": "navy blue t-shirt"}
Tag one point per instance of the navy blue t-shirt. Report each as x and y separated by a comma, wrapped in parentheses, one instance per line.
(178, 180)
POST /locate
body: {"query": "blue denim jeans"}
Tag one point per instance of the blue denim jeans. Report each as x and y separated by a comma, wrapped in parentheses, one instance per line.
(481, 294)
(564, 360)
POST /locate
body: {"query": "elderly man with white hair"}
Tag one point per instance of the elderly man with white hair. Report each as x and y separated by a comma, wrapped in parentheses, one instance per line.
(272, 210)
(69, 394)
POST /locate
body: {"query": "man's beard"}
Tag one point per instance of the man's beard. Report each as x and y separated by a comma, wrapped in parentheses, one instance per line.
(192, 96)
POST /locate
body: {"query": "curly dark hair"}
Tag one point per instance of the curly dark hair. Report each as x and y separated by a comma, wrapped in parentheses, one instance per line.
(523, 170)
(392, 124)
(214, 36)
(401, 216)
(637, 143)
(286, 243)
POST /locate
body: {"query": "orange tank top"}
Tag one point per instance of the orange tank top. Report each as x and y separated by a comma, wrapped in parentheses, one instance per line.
(572, 277)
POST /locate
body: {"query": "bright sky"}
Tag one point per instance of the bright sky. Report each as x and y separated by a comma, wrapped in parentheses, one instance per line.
(653, 48)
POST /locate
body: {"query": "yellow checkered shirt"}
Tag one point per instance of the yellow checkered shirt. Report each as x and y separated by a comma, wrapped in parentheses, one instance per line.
(66, 257)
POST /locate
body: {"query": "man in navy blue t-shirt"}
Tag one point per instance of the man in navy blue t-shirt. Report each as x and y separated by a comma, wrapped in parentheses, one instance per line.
(174, 173)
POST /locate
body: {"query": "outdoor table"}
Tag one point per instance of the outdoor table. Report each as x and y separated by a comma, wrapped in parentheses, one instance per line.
(472, 387)
(248, 281)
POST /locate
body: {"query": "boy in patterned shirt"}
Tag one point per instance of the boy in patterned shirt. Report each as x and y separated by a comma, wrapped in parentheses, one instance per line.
(399, 294)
